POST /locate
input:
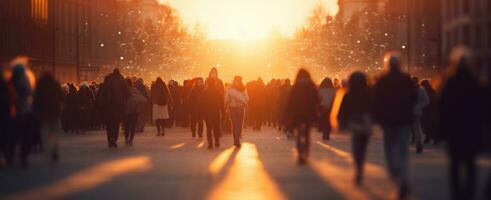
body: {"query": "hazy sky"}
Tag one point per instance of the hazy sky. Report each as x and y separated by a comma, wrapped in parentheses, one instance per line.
(247, 19)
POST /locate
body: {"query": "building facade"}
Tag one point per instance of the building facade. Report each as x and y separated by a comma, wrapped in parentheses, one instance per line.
(71, 38)
(424, 36)
(467, 22)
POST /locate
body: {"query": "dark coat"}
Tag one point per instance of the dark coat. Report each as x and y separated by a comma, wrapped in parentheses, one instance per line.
(160, 95)
(212, 102)
(461, 114)
(354, 106)
(48, 98)
(302, 105)
(113, 95)
(194, 102)
(394, 97)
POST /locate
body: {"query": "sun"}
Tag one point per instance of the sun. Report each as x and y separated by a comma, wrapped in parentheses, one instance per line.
(247, 19)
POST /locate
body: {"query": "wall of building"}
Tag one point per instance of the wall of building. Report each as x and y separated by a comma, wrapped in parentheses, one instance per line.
(468, 22)
(59, 35)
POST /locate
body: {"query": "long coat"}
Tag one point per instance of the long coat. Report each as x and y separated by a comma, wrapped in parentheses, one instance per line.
(113, 95)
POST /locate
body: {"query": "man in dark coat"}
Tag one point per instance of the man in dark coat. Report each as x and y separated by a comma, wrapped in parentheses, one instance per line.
(395, 96)
(461, 125)
(301, 112)
(194, 108)
(213, 107)
(48, 99)
(113, 95)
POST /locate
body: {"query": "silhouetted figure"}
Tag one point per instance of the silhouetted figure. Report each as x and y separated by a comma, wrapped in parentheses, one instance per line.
(86, 100)
(132, 108)
(301, 112)
(146, 109)
(7, 116)
(161, 101)
(175, 111)
(113, 96)
(195, 110)
(422, 101)
(461, 125)
(212, 105)
(258, 92)
(25, 126)
(394, 100)
(236, 100)
(355, 116)
(429, 117)
(285, 90)
(70, 110)
(48, 100)
(327, 94)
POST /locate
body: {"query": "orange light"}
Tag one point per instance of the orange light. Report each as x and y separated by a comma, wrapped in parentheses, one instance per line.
(247, 179)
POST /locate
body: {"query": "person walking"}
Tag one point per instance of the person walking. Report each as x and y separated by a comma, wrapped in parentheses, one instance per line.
(236, 100)
(327, 94)
(394, 99)
(461, 121)
(355, 116)
(301, 112)
(422, 101)
(48, 99)
(197, 121)
(146, 109)
(212, 104)
(134, 104)
(112, 100)
(161, 101)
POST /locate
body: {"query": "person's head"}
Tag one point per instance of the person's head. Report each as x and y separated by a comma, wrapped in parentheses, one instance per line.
(303, 76)
(237, 83)
(357, 82)
(213, 73)
(460, 59)
(326, 83)
(392, 61)
(159, 81)
(288, 82)
(199, 82)
(116, 71)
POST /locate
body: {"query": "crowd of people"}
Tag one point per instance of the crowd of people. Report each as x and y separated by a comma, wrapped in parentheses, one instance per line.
(408, 111)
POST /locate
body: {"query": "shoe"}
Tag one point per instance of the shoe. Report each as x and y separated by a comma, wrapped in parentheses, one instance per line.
(210, 146)
(217, 144)
(130, 142)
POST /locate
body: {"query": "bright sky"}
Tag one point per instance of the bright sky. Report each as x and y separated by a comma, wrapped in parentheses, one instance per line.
(247, 19)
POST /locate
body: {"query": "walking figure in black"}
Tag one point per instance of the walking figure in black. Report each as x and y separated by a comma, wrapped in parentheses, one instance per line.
(301, 112)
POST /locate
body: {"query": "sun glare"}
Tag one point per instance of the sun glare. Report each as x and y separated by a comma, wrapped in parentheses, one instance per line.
(247, 19)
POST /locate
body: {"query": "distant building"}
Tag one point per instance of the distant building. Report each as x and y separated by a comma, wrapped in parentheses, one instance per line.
(424, 35)
(72, 38)
(348, 8)
(467, 23)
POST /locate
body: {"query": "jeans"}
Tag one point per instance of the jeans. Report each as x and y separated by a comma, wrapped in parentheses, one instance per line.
(417, 130)
(303, 140)
(396, 145)
(130, 125)
(360, 144)
(237, 117)
(213, 130)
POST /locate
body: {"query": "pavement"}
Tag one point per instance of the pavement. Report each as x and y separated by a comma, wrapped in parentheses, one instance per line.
(178, 166)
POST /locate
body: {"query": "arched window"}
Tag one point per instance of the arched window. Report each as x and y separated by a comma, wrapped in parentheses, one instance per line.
(39, 11)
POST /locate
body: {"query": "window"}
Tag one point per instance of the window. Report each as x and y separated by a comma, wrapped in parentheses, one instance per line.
(39, 11)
